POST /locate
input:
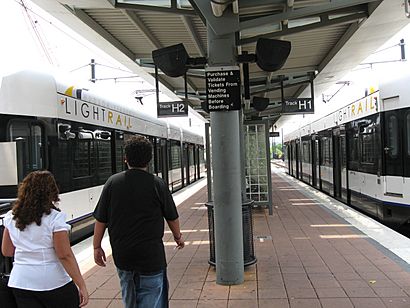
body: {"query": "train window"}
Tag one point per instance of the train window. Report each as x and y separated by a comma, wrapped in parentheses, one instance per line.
(306, 151)
(151, 165)
(37, 160)
(191, 156)
(393, 136)
(158, 157)
(343, 149)
(119, 152)
(175, 155)
(104, 160)
(353, 148)
(368, 143)
(201, 155)
(82, 158)
(29, 139)
(326, 151)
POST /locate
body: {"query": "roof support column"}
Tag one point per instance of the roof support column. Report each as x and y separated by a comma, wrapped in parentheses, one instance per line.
(226, 166)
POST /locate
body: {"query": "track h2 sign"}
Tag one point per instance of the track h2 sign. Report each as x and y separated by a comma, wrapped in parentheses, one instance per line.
(223, 88)
(172, 109)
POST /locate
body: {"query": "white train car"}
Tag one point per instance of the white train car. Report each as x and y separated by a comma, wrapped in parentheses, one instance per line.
(360, 154)
(79, 135)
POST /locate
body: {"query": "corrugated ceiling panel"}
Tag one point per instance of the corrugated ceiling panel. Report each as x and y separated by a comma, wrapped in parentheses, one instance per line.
(119, 26)
(168, 29)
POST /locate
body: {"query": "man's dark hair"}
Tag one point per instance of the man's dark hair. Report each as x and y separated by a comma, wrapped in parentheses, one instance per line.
(138, 151)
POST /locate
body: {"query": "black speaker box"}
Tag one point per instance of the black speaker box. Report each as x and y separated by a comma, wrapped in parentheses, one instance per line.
(204, 106)
(171, 60)
(271, 54)
(260, 103)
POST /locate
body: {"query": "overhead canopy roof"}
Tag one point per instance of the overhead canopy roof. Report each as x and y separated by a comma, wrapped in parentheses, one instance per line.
(328, 38)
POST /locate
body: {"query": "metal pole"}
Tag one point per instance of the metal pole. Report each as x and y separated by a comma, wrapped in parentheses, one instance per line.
(402, 50)
(243, 155)
(92, 70)
(274, 145)
(208, 161)
(283, 154)
(226, 167)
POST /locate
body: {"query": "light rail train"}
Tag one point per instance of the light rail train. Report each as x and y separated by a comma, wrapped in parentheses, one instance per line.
(79, 135)
(360, 154)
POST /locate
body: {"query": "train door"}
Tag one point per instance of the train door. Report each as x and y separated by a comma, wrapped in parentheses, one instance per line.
(393, 156)
(337, 157)
(315, 162)
(159, 157)
(191, 164)
(186, 163)
(286, 154)
(293, 158)
(406, 150)
(297, 159)
(343, 165)
(326, 162)
(198, 162)
(306, 160)
(317, 159)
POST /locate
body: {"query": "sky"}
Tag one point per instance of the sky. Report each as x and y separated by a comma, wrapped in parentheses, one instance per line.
(21, 48)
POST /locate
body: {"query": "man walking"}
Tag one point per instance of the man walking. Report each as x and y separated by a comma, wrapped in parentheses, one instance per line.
(133, 205)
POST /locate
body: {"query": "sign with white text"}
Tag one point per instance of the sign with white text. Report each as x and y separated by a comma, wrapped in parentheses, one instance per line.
(223, 88)
(172, 109)
(297, 105)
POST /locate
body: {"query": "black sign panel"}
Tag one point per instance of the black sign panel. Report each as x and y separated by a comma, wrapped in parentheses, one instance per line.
(223, 89)
(273, 134)
(172, 109)
(297, 105)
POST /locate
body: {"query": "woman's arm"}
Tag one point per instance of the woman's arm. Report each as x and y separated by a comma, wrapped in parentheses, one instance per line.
(67, 259)
(7, 247)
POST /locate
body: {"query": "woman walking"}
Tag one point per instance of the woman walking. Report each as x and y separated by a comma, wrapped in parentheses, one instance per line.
(45, 272)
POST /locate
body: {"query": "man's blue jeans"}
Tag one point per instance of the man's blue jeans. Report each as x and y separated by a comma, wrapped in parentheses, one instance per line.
(140, 290)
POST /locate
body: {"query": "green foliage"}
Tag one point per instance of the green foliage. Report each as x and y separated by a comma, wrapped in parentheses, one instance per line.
(276, 150)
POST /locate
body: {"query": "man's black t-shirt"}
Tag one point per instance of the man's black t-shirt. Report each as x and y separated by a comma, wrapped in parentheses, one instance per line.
(133, 204)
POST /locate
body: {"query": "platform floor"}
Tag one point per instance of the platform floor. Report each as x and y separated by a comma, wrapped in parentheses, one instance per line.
(308, 256)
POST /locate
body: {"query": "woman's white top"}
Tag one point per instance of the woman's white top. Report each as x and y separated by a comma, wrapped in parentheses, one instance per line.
(36, 266)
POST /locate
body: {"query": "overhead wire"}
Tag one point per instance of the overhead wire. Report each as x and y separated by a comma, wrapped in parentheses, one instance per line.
(36, 32)
(102, 55)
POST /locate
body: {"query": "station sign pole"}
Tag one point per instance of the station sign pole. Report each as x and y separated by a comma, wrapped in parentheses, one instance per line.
(224, 103)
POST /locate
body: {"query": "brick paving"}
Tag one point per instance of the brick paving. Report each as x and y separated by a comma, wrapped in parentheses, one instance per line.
(307, 257)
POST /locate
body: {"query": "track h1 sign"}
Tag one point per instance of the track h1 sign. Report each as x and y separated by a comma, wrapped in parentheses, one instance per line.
(297, 105)
(223, 88)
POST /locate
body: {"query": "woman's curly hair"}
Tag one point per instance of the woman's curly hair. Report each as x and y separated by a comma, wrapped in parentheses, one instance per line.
(36, 196)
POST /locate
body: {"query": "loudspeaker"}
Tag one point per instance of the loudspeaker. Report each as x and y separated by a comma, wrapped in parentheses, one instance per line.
(204, 106)
(271, 54)
(171, 60)
(260, 103)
